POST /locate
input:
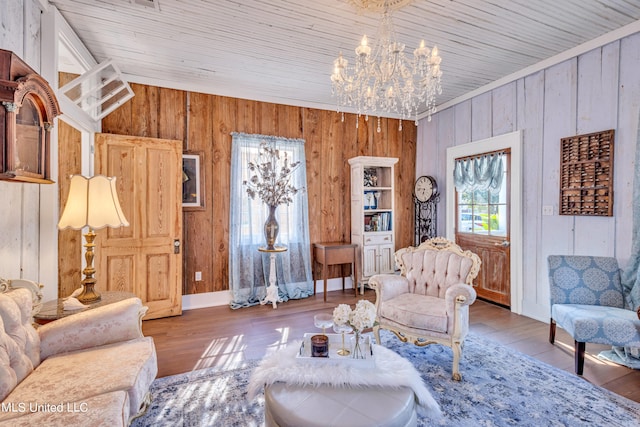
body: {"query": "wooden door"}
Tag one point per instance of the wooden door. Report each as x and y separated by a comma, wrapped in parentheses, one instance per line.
(144, 258)
(483, 227)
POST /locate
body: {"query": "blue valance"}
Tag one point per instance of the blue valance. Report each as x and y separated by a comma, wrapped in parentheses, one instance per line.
(479, 173)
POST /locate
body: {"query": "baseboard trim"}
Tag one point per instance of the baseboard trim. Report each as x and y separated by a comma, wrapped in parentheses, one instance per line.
(214, 299)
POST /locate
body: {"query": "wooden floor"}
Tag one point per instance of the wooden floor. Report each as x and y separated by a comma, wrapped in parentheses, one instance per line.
(219, 336)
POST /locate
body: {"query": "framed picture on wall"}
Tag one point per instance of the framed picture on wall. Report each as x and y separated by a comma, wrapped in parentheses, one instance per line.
(192, 178)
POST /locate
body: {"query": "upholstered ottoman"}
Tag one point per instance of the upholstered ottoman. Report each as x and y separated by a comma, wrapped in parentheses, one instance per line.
(323, 406)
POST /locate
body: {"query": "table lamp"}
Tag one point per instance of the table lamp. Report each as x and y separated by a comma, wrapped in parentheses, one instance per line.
(92, 202)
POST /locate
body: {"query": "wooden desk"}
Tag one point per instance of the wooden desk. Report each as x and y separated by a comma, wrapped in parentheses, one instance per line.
(333, 254)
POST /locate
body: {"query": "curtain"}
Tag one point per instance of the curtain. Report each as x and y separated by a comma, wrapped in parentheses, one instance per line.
(249, 268)
(631, 275)
(479, 173)
(630, 356)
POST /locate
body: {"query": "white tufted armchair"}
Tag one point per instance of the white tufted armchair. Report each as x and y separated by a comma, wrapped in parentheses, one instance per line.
(429, 301)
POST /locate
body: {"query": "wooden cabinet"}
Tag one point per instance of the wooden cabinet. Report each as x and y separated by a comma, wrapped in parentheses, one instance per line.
(373, 214)
(26, 119)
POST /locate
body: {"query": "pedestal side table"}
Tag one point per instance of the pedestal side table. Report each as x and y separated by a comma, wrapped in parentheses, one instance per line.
(335, 253)
(272, 290)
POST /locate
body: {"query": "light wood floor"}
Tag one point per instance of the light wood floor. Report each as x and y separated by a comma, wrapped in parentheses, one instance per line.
(219, 336)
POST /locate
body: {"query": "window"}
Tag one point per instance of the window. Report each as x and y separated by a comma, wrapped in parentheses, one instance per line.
(484, 211)
(249, 268)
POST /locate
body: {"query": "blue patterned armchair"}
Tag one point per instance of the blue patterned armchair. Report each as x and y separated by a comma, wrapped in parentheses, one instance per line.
(588, 302)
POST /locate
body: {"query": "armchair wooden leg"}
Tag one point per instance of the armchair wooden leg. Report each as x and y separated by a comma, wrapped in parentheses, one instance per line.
(376, 333)
(579, 349)
(552, 331)
(457, 352)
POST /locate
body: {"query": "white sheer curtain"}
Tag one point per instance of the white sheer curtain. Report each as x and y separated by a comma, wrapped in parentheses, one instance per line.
(249, 268)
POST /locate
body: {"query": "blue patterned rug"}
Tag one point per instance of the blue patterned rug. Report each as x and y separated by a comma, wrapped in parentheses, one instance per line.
(500, 387)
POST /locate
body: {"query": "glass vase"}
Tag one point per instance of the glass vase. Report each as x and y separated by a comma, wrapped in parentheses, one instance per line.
(357, 346)
(271, 228)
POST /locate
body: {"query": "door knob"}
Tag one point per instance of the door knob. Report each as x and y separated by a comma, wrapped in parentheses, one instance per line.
(504, 244)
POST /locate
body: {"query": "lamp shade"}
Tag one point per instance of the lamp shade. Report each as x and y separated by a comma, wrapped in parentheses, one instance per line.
(92, 202)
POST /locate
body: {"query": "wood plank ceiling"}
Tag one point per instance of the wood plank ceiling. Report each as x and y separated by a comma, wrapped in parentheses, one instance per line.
(282, 51)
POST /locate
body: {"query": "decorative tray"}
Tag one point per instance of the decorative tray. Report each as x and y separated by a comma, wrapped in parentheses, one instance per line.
(335, 344)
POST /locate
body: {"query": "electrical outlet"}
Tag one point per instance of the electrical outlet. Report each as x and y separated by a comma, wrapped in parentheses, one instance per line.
(198, 276)
(547, 210)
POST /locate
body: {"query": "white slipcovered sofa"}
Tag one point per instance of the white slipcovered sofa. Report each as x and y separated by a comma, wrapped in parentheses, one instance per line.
(91, 368)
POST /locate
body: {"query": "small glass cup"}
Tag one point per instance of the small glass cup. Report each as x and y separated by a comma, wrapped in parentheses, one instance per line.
(323, 320)
(342, 329)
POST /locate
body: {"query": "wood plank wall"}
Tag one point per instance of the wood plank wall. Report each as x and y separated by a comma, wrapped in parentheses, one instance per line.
(69, 241)
(205, 122)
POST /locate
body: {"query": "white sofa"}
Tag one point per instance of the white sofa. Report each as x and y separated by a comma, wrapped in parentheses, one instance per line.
(91, 368)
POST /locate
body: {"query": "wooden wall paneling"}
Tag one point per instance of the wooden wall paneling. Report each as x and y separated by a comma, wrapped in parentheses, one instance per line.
(197, 229)
(172, 114)
(11, 236)
(597, 111)
(120, 120)
(69, 241)
(404, 149)
(364, 133)
(333, 138)
(503, 109)
(626, 144)
(33, 15)
(30, 231)
(289, 123)
(329, 143)
(313, 153)
(144, 110)
(462, 122)
(559, 121)
(481, 115)
(266, 118)
(380, 139)
(246, 117)
(224, 117)
(530, 98)
(12, 30)
(426, 147)
(426, 161)
(446, 139)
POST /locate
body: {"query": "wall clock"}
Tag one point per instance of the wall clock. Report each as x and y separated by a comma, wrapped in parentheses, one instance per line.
(425, 199)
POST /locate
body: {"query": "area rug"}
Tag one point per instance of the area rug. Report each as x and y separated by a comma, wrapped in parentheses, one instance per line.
(500, 387)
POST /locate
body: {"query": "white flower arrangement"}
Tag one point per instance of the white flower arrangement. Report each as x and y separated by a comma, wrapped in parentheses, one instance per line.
(360, 318)
(271, 181)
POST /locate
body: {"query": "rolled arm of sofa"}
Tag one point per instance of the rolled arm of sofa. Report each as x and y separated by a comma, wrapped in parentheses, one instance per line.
(462, 293)
(117, 322)
(388, 286)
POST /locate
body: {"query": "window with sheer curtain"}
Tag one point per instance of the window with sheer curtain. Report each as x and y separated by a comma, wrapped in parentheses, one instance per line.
(248, 267)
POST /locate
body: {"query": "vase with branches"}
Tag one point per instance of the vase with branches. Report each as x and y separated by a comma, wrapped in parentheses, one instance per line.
(271, 181)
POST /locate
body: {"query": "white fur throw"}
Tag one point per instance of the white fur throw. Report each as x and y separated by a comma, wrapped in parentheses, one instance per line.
(391, 370)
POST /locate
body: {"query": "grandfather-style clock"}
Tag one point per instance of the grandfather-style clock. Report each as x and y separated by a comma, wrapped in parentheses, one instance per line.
(425, 199)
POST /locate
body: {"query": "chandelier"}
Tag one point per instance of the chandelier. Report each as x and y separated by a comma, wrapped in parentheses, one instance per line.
(384, 80)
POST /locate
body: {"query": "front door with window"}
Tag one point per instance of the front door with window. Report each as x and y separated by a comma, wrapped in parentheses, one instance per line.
(482, 226)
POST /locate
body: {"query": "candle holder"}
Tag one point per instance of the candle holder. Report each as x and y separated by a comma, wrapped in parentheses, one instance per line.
(320, 346)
